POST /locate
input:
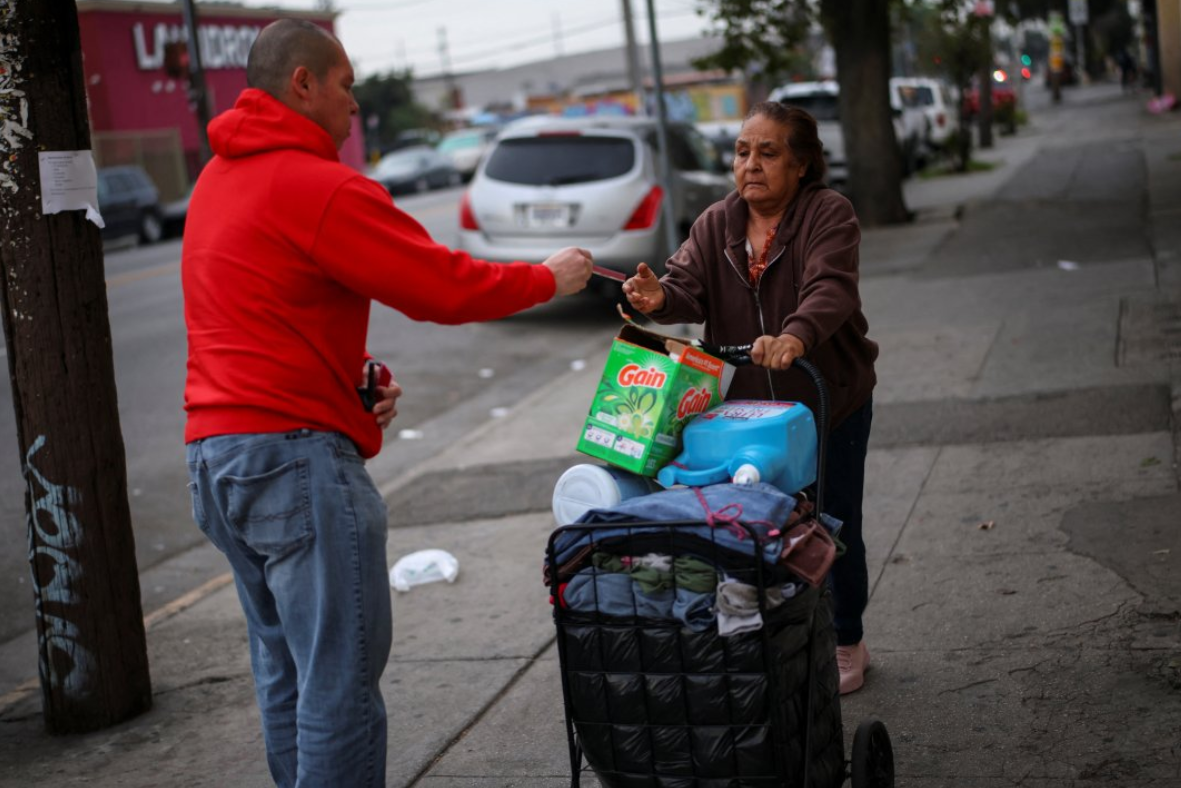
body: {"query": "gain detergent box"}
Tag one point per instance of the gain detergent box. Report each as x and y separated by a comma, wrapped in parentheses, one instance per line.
(652, 385)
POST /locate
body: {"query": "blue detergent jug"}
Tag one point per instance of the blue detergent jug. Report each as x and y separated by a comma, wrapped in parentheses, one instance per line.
(747, 441)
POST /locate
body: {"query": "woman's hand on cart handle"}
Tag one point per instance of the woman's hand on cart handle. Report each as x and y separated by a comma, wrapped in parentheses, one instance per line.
(776, 352)
(643, 290)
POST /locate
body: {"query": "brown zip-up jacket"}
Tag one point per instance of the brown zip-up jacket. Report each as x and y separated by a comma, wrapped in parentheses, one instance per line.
(809, 289)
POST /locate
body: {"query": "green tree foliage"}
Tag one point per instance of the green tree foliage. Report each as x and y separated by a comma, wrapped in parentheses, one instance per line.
(390, 99)
(763, 36)
(957, 41)
(766, 36)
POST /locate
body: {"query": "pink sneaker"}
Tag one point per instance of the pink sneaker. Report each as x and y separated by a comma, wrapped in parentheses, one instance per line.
(853, 662)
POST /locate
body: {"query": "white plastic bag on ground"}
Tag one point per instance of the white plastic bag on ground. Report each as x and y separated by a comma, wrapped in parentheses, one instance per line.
(424, 566)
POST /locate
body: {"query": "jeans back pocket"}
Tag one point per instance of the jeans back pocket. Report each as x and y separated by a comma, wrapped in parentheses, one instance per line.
(271, 512)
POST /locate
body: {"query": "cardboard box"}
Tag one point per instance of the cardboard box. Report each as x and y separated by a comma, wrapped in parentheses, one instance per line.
(652, 385)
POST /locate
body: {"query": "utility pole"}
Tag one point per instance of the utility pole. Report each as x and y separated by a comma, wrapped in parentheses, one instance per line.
(634, 76)
(197, 92)
(670, 217)
(557, 22)
(448, 79)
(984, 13)
(1079, 18)
(90, 629)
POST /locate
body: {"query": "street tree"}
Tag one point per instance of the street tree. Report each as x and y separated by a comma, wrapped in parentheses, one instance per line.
(388, 108)
(955, 38)
(764, 33)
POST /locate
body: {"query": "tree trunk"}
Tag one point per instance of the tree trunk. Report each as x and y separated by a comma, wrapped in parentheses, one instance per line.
(93, 655)
(860, 33)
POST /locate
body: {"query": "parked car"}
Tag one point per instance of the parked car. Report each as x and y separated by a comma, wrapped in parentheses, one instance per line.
(415, 170)
(723, 134)
(940, 109)
(173, 215)
(467, 147)
(589, 182)
(910, 124)
(130, 205)
(414, 137)
(1002, 96)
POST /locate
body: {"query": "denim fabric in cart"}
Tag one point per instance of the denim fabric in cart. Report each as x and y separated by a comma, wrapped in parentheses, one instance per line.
(717, 509)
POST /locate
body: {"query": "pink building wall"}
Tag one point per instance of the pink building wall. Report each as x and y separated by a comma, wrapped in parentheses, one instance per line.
(123, 62)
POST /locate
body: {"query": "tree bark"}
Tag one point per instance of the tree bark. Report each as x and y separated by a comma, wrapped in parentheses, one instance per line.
(860, 34)
(93, 655)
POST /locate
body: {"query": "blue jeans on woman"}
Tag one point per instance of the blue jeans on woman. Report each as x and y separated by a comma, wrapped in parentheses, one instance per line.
(304, 530)
(844, 489)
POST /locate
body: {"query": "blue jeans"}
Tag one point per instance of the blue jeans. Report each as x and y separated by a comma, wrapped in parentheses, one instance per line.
(305, 532)
(844, 489)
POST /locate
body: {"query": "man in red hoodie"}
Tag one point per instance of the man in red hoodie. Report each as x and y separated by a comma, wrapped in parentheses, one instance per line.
(284, 249)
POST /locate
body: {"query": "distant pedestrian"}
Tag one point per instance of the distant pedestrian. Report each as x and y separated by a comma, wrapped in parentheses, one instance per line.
(776, 263)
(1127, 69)
(284, 248)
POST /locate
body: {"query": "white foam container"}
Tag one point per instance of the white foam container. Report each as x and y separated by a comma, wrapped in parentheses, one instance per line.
(585, 486)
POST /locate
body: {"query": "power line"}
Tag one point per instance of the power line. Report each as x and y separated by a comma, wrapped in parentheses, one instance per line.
(485, 35)
(375, 63)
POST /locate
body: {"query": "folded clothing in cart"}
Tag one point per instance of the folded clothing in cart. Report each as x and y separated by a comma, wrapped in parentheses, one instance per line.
(717, 510)
(724, 524)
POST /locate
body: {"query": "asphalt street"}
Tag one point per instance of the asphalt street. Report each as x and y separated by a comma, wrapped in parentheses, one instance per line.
(454, 377)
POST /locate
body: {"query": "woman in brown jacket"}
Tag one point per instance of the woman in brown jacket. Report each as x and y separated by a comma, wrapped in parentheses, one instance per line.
(776, 264)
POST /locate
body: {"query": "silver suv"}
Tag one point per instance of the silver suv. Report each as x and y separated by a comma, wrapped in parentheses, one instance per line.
(589, 182)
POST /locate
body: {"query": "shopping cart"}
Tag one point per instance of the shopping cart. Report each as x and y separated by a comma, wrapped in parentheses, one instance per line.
(657, 695)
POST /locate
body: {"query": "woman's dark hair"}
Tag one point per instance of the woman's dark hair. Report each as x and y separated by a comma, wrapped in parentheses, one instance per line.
(802, 137)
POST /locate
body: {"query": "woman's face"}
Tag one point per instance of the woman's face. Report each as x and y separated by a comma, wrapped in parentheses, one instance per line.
(765, 171)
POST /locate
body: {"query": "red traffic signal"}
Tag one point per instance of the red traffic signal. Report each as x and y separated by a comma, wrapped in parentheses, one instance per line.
(176, 59)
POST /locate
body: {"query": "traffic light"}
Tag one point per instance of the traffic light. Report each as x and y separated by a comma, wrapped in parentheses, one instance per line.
(1026, 60)
(176, 59)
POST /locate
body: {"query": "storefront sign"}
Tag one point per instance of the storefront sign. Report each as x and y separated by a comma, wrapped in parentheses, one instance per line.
(222, 46)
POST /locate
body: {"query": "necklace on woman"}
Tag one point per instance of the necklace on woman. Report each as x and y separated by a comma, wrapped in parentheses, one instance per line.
(758, 266)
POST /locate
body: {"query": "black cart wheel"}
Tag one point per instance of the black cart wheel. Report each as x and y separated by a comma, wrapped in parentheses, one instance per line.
(873, 756)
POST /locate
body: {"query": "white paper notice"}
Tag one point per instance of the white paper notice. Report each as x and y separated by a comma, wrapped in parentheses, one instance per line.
(69, 182)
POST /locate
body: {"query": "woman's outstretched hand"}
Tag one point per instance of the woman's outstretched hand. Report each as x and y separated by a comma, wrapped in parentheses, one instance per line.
(643, 290)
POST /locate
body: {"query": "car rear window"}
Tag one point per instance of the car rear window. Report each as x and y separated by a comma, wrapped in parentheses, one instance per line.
(560, 160)
(822, 106)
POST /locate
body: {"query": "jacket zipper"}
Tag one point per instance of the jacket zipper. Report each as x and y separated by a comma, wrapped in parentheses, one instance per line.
(759, 305)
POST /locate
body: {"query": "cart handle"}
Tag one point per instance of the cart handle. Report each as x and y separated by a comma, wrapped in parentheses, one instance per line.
(739, 355)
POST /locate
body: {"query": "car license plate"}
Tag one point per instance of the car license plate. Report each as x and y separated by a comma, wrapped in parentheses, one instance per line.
(543, 215)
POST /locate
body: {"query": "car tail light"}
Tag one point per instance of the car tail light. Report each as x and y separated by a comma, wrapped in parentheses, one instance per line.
(467, 217)
(563, 133)
(940, 120)
(647, 212)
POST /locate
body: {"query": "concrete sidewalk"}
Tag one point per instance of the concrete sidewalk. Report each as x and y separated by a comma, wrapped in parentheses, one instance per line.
(1022, 516)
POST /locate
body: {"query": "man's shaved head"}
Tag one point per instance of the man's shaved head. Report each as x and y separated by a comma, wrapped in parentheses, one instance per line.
(285, 45)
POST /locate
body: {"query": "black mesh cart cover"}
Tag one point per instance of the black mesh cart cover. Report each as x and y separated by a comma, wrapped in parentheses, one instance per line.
(654, 704)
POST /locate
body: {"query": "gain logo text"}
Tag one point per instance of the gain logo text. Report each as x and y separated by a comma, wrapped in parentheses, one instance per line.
(635, 375)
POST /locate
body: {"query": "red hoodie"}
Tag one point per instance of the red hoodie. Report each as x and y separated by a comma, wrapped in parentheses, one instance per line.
(284, 248)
